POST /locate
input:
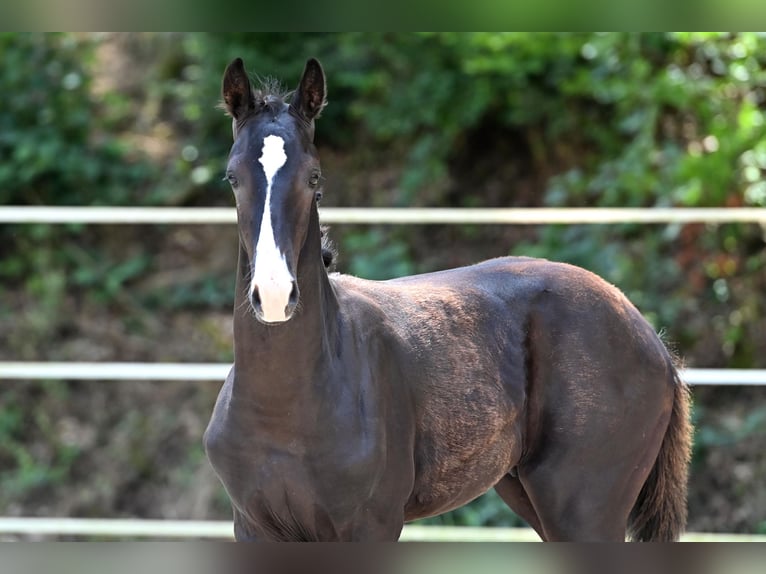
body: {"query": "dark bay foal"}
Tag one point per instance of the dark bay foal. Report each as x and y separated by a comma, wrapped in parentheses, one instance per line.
(355, 406)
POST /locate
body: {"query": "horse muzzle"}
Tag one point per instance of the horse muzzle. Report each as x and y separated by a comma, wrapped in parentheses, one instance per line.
(274, 301)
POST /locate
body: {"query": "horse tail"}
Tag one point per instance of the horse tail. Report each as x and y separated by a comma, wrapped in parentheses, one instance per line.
(659, 513)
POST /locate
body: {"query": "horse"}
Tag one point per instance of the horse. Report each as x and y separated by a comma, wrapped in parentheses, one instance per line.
(355, 406)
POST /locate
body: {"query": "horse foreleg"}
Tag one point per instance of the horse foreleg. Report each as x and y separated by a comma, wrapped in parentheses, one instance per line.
(243, 532)
(513, 494)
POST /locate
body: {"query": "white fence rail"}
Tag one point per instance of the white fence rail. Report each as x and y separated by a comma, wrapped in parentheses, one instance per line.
(218, 371)
(394, 216)
(184, 529)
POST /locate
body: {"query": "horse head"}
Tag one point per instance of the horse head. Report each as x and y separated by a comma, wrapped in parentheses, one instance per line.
(273, 169)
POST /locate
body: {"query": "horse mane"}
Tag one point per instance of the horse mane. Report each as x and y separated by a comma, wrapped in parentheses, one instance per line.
(269, 94)
(329, 252)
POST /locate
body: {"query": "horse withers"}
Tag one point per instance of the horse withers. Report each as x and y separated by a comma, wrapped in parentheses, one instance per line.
(355, 406)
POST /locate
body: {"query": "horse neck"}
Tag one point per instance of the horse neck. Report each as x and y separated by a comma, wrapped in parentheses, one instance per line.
(281, 360)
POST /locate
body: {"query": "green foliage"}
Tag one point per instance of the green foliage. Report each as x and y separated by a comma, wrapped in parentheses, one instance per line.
(729, 432)
(25, 472)
(57, 146)
(205, 293)
(376, 256)
(54, 146)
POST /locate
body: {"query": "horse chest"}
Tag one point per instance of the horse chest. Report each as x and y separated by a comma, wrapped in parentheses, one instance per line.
(288, 484)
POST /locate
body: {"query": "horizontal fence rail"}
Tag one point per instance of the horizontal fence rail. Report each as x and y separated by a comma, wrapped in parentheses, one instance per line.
(218, 371)
(182, 529)
(393, 216)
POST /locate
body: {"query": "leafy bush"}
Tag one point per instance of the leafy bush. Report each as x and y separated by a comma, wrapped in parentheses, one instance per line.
(55, 148)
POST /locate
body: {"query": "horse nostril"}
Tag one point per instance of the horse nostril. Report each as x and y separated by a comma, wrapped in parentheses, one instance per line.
(255, 297)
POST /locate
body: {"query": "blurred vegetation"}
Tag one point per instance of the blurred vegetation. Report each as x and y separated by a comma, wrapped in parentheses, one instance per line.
(437, 119)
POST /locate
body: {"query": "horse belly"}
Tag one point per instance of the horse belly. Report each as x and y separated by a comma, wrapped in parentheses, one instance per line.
(454, 469)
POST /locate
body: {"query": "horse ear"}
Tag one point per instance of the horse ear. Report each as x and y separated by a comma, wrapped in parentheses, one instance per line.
(238, 98)
(311, 95)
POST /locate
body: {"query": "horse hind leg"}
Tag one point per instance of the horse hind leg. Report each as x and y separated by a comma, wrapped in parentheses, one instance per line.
(587, 467)
(513, 494)
(583, 488)
(573, 507)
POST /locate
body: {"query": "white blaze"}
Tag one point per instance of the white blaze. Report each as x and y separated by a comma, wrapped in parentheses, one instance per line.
(270, 273)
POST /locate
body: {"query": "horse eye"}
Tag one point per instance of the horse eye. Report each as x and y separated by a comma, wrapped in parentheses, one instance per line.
(231, 178)
(314, 180)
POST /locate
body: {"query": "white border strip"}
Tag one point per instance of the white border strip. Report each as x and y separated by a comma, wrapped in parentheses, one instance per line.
(80, 371)
(395, 216)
